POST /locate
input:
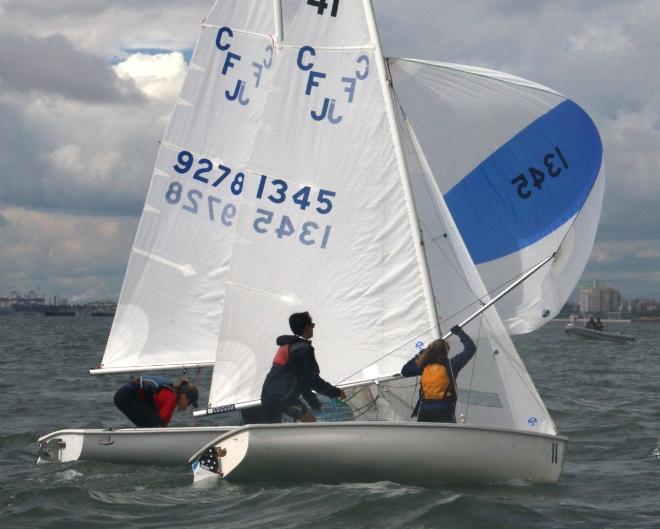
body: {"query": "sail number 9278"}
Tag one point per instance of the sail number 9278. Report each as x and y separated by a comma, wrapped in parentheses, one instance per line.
(274, 190)
(554, 163)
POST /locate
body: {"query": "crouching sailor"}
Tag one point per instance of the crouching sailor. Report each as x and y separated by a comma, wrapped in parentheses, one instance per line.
(150, 401)
(437, 392)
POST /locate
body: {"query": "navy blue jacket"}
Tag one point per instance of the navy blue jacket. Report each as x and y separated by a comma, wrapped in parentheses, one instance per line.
(458, 362)
(295, 372)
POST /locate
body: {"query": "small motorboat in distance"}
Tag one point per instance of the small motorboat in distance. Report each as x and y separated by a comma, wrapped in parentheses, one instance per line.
(573, 329)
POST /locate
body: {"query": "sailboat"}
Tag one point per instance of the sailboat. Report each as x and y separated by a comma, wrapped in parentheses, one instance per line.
(391, 198)
(580, 331)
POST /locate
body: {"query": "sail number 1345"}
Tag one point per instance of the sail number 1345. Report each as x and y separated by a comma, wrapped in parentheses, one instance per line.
(554, 163)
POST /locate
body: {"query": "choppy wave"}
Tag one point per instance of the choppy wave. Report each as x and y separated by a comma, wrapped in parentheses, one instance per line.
(603, 396)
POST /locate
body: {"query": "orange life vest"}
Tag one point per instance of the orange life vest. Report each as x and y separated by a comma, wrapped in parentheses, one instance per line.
(436, 383)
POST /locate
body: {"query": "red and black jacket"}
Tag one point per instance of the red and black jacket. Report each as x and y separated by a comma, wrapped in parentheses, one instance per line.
(295, 372)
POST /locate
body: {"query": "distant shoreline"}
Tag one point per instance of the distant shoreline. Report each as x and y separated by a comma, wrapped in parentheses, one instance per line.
(633, 320)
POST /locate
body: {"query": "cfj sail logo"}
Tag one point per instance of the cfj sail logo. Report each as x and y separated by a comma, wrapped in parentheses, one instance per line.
(316, 78)
(223, 43)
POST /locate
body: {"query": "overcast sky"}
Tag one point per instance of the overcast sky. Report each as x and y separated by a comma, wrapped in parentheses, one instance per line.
(81, 113)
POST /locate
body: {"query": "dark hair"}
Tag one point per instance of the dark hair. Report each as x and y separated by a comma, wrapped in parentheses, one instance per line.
(298, 321)
(436, 352)
(189, 390)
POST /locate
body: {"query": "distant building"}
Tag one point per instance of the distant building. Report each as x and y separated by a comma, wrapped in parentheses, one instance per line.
(644, 306)
(600, 300)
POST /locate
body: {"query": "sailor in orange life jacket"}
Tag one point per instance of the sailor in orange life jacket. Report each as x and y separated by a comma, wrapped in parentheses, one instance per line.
(437, 393)
(294, 373)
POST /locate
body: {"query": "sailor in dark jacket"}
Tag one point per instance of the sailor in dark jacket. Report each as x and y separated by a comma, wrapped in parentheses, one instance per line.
(295, 373)
(438, 393)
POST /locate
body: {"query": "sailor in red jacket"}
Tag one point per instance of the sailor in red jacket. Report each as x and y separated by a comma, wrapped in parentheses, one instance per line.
(149, 401)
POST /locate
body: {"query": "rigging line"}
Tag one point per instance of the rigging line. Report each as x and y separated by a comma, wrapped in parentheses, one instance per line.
(409, 341)
(474, 367)
(519, 370)
(485, 306)
(389, 353)
(460, 273)
(338, 413)
(435, 212)
(434, 240)
(451, 262)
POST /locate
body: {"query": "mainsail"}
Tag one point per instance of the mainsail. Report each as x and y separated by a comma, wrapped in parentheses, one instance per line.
(325, 223)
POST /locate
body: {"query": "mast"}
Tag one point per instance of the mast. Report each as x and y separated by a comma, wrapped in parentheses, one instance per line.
(279, 26)
(385, 84)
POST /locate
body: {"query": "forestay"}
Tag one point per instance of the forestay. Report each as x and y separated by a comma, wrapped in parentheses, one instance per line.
(519, 167)
(323, 221)
(171, 305)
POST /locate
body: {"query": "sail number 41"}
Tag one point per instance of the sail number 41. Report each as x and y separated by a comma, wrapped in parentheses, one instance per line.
(321, 6)
(554, 163)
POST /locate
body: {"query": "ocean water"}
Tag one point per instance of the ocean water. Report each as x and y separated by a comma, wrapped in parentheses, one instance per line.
(604, 396)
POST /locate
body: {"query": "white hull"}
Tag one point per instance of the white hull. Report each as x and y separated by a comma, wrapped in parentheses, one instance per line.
(148, 446)
(583, 332)
(417, 453)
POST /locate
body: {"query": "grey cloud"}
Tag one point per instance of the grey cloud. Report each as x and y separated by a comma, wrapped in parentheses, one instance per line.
(84, 7)
(20, 167)
(4, 222)
(30, 181)
(535, 7)
(53, 65)
(90, 7)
